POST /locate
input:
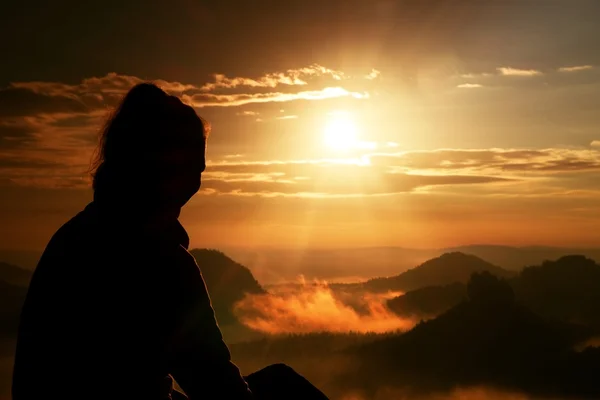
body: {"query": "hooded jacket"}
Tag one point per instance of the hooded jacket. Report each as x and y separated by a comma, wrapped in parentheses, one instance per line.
(115, 304)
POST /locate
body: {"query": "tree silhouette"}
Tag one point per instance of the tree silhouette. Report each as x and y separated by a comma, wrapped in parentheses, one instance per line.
(486, 289)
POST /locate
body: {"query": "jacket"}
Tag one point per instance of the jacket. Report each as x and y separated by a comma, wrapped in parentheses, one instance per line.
(115, 304)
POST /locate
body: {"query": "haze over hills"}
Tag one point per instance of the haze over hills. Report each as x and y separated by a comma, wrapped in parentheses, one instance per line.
(278, 265)
(485, 335)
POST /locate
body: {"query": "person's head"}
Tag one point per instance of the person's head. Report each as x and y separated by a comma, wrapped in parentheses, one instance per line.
(151, 151)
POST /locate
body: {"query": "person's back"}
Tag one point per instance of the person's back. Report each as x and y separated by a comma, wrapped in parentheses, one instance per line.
(117, 304)
(97, 315)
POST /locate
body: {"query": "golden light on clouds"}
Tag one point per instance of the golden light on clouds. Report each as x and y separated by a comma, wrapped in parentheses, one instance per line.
(317, 308)
(346, 143)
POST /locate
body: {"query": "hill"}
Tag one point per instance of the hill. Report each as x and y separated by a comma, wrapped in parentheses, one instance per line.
(488, 340)
(11, 300)
(567, 289)
(13, 289)
(515, 258)
(351, 264)
(227, 282)
(14, 275)
(444, 270)
(428, 302)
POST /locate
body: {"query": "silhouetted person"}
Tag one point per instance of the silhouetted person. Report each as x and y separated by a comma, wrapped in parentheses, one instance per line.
(117, 304)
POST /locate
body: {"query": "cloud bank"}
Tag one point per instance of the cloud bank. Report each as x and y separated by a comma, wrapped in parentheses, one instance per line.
(317, 308)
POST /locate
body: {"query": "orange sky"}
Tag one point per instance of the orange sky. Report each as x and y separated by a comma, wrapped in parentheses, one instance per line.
(412, 134)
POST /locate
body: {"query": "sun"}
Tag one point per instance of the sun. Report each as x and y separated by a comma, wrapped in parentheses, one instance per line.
(341, 132)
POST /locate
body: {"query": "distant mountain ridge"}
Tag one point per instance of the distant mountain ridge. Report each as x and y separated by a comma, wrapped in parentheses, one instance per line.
(446, 269)
(14, 275)
(277, 265)
(516, 258)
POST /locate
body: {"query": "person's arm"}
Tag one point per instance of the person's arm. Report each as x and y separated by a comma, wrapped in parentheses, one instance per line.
(199, 358)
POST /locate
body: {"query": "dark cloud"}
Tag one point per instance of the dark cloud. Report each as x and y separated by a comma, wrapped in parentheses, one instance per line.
(13, 136)
(75, 121)
(13, 163)
(15, 102)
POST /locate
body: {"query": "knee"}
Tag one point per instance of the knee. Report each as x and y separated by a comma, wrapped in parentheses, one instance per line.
(281, 372)
(281, 368)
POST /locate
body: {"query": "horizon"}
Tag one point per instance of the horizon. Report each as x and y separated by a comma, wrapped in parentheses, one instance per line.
(273, 267)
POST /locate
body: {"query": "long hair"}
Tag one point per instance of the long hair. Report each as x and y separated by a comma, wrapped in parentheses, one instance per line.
(147, 123)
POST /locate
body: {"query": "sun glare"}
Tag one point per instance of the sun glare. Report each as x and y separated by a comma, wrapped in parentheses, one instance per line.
(341, 132)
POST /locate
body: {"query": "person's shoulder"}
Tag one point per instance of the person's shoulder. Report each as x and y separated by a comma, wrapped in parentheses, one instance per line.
(76, 229)
(186, 261)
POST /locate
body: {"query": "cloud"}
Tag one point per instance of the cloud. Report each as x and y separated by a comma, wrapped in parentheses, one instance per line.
(578, 68)
(223, 100)
(21, 163)
(29, 98)
(44, 120)
(25, 101)
(247, 113)
(475, 75)
(469, 86)
(595, 143)
(292, 77)
(509, 71)
(98, 93)
(324, 180)
(13, 135)
(316, 308)
(374, 74)
(288, 117)
(375, 174)
(493, 161)
(501, 71)
(402, 172)
(111, 83)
